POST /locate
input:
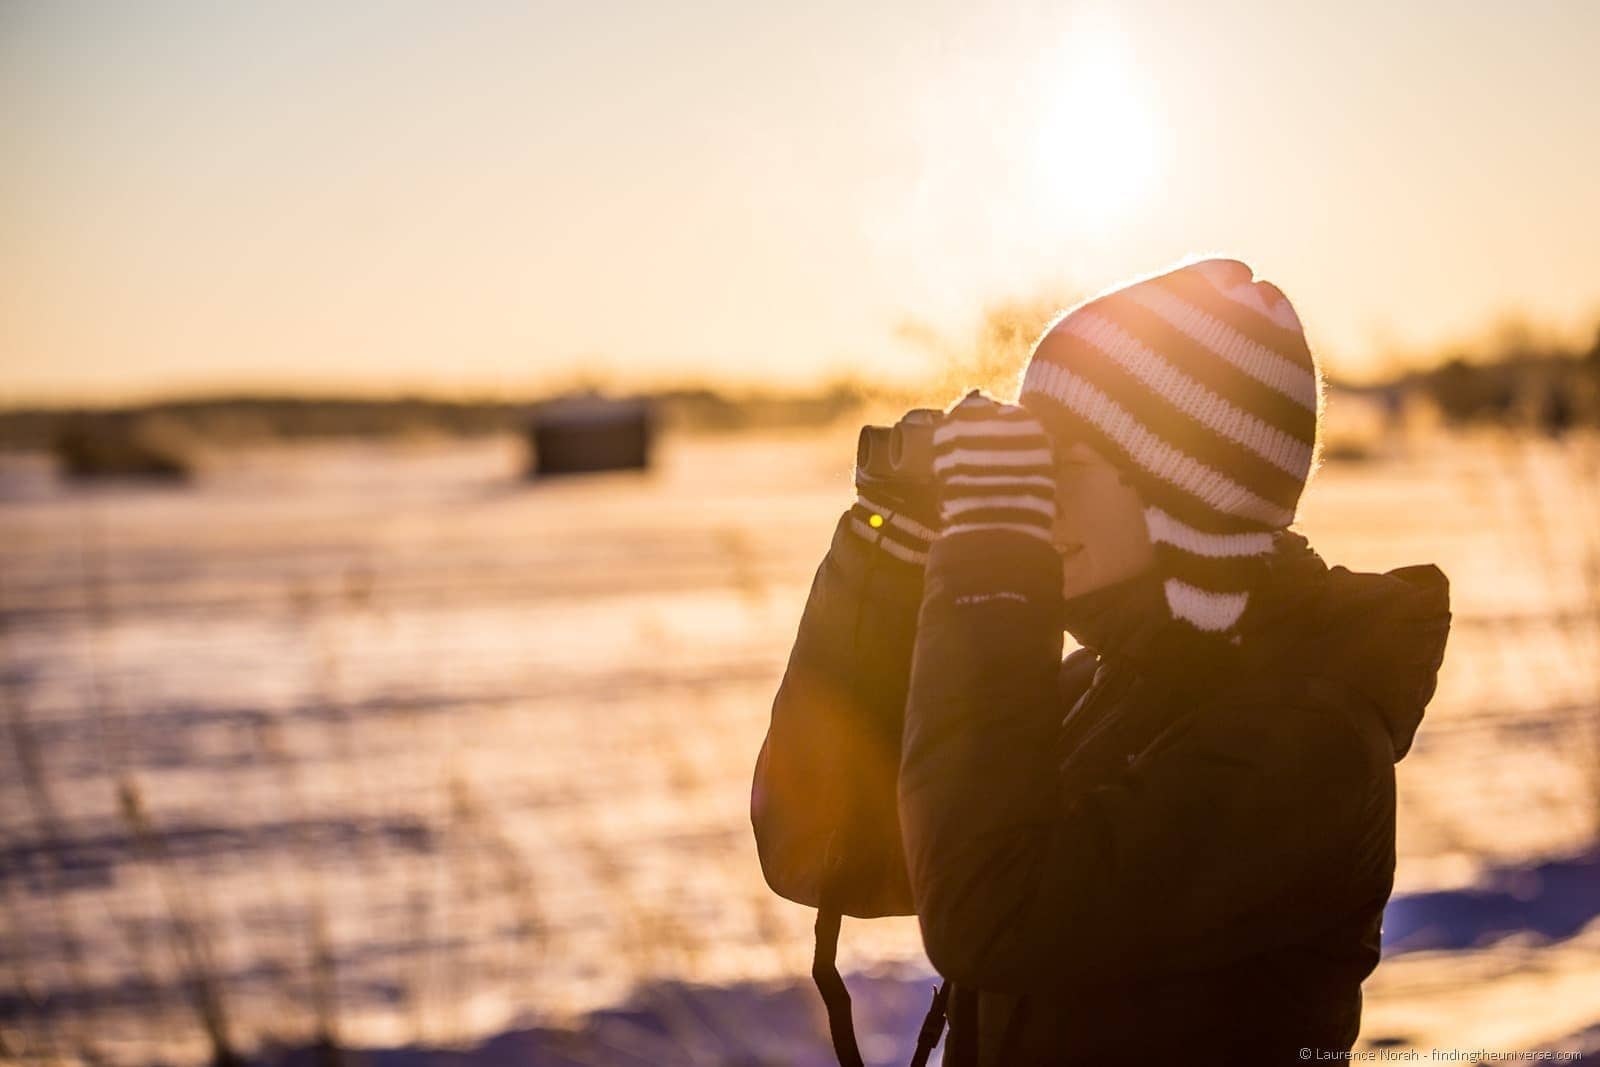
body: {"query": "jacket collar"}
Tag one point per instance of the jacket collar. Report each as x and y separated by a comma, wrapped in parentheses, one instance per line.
(1379, 636)
(1130, 624)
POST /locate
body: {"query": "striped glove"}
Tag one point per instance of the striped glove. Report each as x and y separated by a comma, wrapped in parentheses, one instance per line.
(995, 469)
(902, 531)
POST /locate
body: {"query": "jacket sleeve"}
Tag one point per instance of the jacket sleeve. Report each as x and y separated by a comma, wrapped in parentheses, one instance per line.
(1193, 857)
(823, 798)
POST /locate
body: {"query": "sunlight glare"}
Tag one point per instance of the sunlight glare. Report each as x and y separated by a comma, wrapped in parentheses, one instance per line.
(1096, 150)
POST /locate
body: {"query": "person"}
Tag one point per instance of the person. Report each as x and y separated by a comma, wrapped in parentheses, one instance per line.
(1175, 844)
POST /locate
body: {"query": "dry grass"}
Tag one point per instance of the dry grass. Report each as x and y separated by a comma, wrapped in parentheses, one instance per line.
(387, 748)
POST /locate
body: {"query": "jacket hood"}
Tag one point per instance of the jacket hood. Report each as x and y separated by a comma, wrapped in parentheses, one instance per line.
(1379, 635)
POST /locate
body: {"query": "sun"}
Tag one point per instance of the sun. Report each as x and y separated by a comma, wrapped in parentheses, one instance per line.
(1097, 149)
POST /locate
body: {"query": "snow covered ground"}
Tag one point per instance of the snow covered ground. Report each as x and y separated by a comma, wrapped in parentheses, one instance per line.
(382, 743)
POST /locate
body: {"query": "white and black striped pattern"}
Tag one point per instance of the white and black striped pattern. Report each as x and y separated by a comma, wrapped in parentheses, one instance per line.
(1200, 384)
(899, 535)
(995, 469)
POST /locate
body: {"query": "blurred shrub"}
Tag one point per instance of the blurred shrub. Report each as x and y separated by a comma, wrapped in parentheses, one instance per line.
(122, 446)
(708, 409)
(92, 437)
(1518, 383)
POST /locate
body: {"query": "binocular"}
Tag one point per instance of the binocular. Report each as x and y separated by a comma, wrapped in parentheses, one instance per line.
(895, 463)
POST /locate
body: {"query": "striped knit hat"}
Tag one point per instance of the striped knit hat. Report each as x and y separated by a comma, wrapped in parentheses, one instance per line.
(1199, 385)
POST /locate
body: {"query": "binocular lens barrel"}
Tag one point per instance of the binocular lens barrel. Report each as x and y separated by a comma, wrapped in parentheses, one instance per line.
(896, 462)
(902, 452)
(872, 448)
(883, 452)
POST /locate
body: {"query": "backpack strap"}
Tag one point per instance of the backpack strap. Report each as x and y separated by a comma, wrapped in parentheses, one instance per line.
(932, 1026)
(836, 998)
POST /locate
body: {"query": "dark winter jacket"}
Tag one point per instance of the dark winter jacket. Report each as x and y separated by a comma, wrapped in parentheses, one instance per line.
(1162, 850)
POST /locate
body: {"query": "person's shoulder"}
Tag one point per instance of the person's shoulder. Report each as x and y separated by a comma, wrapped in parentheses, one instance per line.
(1290, 725)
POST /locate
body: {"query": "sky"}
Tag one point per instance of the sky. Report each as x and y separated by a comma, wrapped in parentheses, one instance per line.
(480, 197)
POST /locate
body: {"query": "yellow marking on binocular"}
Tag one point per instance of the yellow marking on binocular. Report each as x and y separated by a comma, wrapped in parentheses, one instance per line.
(875, 521)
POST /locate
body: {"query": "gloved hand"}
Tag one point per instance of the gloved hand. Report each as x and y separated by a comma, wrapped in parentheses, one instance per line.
(995, 469)
(900, 529)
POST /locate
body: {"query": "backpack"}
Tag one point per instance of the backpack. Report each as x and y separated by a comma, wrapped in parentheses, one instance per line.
(823, 801)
